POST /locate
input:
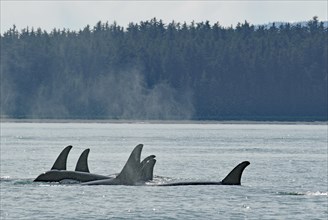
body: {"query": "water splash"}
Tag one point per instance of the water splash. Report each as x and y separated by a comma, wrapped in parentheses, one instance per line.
(318, 193)
(5, 178)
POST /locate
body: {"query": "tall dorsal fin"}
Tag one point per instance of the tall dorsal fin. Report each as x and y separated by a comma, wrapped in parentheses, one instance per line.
(60, 163)
(82, 163)
(147, 170)
(130, 172)
(233, 178)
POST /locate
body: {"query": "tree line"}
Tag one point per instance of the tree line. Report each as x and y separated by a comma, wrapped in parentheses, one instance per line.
(153, 70)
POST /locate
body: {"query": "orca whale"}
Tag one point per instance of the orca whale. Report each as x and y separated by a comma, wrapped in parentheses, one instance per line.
(233, 178)
(134, 172)
(59, 173)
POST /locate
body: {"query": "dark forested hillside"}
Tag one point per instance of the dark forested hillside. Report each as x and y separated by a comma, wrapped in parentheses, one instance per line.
(153, 70)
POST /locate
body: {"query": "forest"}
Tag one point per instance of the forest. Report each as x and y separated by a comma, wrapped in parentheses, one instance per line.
(176, 71)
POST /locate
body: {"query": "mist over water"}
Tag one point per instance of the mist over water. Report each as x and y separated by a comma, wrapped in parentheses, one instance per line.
(7, 95)
(154, 70)
(116, 95)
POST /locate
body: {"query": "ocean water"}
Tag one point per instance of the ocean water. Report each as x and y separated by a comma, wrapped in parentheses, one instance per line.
(287, 177)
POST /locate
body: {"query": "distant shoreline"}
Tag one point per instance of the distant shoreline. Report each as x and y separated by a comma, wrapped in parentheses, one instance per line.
(121, 121)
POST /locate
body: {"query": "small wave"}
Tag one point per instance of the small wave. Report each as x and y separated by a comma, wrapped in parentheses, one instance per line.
(290, 193)
(318, 193)
(15, 181)
(23, 182)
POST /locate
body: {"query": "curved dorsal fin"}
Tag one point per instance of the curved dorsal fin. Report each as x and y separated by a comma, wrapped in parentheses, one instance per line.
(130, 172)
(60, 163)
(82, 163)
(146, 160)
(233, 178)
(147, 170)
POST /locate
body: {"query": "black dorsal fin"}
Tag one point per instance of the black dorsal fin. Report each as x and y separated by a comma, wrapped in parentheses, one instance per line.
(147, 159)
(82, 163)
(233, 178)
(60, 163)
(130, 172)
(147, 170)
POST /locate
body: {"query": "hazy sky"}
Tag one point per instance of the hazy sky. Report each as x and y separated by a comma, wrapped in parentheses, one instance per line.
(76, 15)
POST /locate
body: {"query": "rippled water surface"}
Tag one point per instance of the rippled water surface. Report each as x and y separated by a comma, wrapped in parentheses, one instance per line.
(287, 177)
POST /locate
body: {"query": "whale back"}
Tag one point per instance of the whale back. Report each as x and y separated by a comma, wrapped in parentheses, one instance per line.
(60, 163)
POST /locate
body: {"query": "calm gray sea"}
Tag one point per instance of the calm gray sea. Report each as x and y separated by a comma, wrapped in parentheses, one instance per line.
(287, 177)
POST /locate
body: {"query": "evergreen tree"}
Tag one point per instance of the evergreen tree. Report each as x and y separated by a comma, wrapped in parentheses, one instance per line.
(153, 70)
